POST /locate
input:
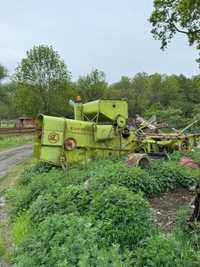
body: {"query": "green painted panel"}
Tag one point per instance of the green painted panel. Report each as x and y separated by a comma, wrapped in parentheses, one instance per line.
(51, 154)
(109, 109)
(103, 132)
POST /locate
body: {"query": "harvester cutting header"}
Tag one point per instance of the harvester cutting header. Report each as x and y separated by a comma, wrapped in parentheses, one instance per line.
(99, 130)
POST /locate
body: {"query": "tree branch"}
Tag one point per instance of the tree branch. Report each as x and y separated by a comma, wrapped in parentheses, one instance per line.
(185, 32)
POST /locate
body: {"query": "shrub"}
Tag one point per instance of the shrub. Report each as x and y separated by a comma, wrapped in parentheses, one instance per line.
(21, 197)
(187, 231)
(18, 200)
(106, 257)
(29, 173)
(60, 240)
(118, 173)
(71, 199)
(194, 154)
(161, 176)
(21, 228)
(122, 216)
(169, 175)
(163, 250)
(2, 245)
(95, 214)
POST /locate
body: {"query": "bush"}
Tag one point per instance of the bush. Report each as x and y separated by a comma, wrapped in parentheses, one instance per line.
(2, 245)
(187, 231)
(118, 173)
(21, 197)
(72, 199)
(163, 250)
(60, 240)
(107, 257)
(194, 154)
(18, 200)
(29, 173)
(21, 228)
(95, 214)
(122, 216)
(160, 177)
(69, 241)
(169, 175)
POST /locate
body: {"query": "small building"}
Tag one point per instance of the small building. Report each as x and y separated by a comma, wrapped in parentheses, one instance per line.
(25, 122)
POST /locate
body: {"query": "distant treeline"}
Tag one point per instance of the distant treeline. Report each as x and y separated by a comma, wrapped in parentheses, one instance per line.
(43, 84)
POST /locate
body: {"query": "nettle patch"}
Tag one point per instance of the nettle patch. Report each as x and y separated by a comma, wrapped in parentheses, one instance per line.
(97, 215)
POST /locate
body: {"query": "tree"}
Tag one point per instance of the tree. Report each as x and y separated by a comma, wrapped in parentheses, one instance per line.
(176, 16)
(3, 72)
(92, 86)
(42, 77)
(7, 102)
(3, 96)
(134, 90)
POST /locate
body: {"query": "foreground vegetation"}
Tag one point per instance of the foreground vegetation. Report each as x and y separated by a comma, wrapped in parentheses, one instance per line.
(6, 182)
(14, 141)
(98, 215)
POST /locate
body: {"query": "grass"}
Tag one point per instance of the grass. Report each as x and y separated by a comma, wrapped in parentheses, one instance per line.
(2, 245)
(14, 141)
(9, 179)
(7, 182)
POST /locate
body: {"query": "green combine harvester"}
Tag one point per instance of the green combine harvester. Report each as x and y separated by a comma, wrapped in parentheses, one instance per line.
(99, 131)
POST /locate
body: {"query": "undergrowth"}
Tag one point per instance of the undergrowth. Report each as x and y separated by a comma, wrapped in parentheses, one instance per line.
(98, 215)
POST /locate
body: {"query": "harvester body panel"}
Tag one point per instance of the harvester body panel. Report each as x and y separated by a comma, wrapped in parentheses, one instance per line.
(99, 131)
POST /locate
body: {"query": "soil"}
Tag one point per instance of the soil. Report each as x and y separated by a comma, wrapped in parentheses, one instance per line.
(167, 204)
(9, 158)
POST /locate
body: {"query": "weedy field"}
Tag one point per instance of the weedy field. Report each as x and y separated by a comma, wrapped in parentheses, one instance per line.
(14, 141)
(99, 214)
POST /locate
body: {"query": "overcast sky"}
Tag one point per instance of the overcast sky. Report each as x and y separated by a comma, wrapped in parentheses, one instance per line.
(110, 35)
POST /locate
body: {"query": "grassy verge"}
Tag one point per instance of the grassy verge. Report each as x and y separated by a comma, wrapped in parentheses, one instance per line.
(6, 182)
(9, 179)
(14, 141)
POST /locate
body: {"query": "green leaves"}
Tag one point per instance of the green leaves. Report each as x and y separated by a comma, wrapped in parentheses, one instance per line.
(170, 17)
(92, 86)
(43, 80)
(124, 217)
(3, 72)
(41, 67)
(163, 250)
(97, 215)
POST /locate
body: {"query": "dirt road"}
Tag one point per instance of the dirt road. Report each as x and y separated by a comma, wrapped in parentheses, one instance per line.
(9, 158)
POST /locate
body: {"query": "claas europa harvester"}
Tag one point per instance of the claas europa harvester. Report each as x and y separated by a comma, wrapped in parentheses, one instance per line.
(99, 131)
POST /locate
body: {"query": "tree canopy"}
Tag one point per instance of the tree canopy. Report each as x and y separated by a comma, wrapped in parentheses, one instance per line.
(92, 86)
(42, 80)
(176, 16)
(43, 84)
(3, 72)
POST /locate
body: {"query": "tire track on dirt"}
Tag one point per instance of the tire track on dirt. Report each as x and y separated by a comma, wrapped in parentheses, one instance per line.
(9, 158)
